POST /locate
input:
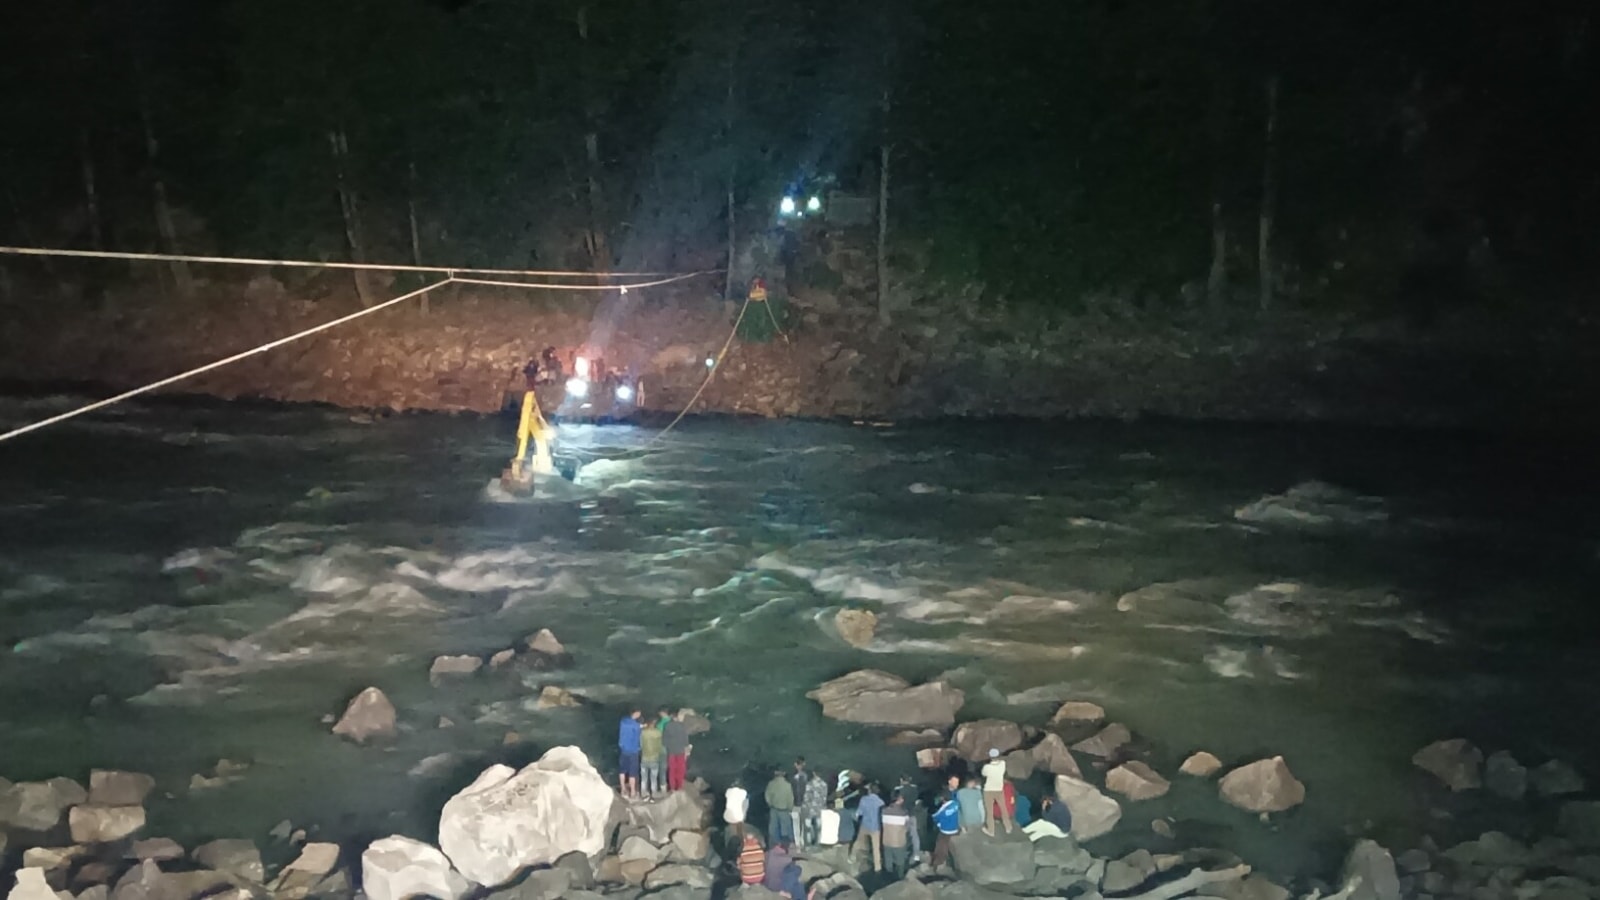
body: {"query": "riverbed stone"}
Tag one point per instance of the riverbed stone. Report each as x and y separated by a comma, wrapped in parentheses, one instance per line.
(146, 881)
(39, 805)
(369, 716)
(1504, 777)
(678, 873)
(1062, 853)
(1555, 779)
(1019, 765)
(936, 757)
(1093, 813)
(1456, 762)
(1106, 742)
(873, 697)
(31, 885)
(1250, 887)
(1078, 712)
(1136, 781)
(1129, 872)
(109, 787)
(1414, 861)
(1492, 849)
(397, 868)
(545, 651)
(51, 858)
(691, 845)
(636, 847)
(507, 820)
(232, 856)
(1369, 862)
(634, 871)
(502, 658)
(922, 737)
(453, 666)
(1201, 764)
(316, 858)
(102, 824)
(685, 810)
(1004, 859)
(1265, 785)
(856, 627)
(553, 696)
(160, 849)
(1052, 755)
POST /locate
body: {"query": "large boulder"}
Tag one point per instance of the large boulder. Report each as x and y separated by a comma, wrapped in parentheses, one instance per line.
(507, 820)
(1455, 762)
(1075, 713)
(545, 652)
(1093, 813)
(1136, 781)
(1265, 785)
(102, 824)
(856, 627)
(31, 885)
(1129, 872)
(1580, 822)
(872, 697)
(397, 868)
(691, 845)
(112, 788)
(146, 881)
(1005, 859)
(38, 805)
(685, 810)
(1370, 874)
(450, 666)
(1052, 755)
(1505, 777)
(974, 740)
(233, 856)
(369, 716)
(1555, 778)
(1106, 742)
(1061, 853)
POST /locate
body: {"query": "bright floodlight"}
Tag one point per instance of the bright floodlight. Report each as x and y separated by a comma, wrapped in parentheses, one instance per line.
(814, 204)
(787, 206)
(580, 367)
(624, 393)
(711, 362)
(577, 387)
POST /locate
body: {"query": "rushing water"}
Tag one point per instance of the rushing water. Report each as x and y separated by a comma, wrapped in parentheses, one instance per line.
(183, 583)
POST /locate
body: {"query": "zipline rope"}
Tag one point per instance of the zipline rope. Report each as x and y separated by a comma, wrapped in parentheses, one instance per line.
(319, 264)
(581, 287)
(716, 364)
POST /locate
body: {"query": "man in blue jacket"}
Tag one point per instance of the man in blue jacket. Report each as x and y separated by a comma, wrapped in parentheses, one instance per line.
(869, 812)
(628, 755)
(946, 821)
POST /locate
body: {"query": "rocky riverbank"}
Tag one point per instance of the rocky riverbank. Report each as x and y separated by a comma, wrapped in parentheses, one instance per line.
(555, 828)
(939, 357)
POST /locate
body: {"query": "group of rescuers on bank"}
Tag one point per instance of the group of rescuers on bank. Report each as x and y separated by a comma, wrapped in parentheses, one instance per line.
(805, 810)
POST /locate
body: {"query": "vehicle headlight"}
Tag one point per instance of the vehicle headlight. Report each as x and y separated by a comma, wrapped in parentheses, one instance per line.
(814, 204)
(711, 362)
(577, 387)
(625, 393)
(787, 206)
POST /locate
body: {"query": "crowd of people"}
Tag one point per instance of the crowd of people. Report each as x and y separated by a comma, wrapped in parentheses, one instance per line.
(806, 810)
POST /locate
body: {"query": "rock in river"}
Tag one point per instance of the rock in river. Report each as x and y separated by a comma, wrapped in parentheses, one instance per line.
(856, 627)
(1136, 781)
(1505, 777)
(38, 805)
(397, 868)
(1265, 785)
(1555, 778)
(1201, 765)
(1374, 866)
(1078, 712)
(101, 824)
(1093, 813)
(112, 788)
(448, 666)
(370, 715)
(1106, 743)
(31, 885)
(507, 820)
(1052, 755)
(1005, 859)
(974, 740)
(1455, 762)
(873, 697)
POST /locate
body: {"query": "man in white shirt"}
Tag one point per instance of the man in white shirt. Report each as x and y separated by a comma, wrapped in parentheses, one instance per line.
(994, 794)
(735, 805)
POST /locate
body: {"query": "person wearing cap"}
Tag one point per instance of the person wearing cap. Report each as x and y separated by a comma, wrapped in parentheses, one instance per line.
(993, 774)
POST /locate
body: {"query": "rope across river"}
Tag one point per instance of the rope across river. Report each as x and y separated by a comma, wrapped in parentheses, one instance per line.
(452, 275)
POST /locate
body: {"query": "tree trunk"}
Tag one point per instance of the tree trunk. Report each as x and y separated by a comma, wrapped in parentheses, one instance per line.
(1269, 194)
(416, 231)
(165, 226)
(883, 215)
(350, 211)
(91, 194)
(599, 246)
(1217, 279)
(733, 162)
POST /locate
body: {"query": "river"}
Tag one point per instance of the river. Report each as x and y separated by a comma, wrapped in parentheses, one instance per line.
(185, 582)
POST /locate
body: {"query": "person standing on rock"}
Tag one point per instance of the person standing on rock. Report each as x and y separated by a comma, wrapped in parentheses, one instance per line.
(675, 740)
(900, 841)
(628, 734)
(971, 800)
(780, 810)
(798, 779)
(813, 800)
(947, 821)
(735, 807)
(651, 757)
(994, 794)
(869, 817)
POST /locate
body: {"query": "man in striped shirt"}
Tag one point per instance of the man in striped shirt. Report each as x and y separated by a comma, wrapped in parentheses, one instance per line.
(901, 844)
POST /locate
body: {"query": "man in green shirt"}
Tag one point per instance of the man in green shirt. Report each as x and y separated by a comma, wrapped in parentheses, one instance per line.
(652, 754)
(780, 809)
